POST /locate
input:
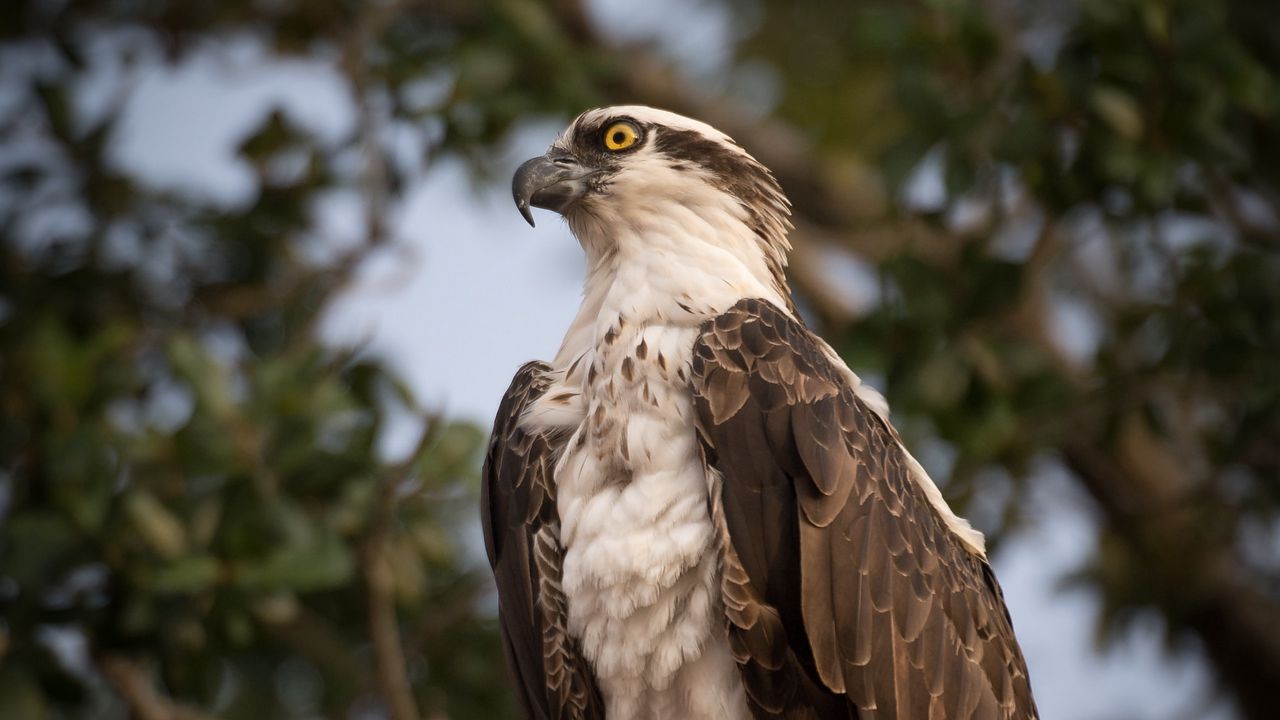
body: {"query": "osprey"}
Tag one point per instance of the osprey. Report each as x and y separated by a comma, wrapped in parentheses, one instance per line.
(696, 510)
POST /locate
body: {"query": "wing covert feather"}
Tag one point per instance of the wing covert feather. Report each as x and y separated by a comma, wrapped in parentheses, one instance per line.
(831, 547)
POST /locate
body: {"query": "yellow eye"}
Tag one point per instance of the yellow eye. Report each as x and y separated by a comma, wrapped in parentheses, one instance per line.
(620, 136)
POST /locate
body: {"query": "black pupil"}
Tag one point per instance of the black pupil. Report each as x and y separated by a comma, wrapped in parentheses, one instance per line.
(619, 137)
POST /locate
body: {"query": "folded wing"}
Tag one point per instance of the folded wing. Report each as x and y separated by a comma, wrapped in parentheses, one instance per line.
(846, 594)
(521, 532)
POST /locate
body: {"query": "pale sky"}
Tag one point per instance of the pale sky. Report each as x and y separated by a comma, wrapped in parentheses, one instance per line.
(470, 292)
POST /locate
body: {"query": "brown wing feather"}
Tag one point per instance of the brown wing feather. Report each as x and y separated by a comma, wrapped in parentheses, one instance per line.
(840, 578)
(522, 537)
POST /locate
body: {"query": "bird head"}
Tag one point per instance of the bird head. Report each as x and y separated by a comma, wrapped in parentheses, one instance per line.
(644, 170)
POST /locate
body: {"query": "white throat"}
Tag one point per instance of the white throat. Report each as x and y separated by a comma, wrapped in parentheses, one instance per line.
(666, 262)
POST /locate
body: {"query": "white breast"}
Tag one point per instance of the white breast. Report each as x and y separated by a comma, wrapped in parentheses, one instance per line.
(640, 566)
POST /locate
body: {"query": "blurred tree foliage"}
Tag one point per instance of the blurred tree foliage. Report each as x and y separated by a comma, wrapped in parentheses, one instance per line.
(1071, 209)
(195, 518)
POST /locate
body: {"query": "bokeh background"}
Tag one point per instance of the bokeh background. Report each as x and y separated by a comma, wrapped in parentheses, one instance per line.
(261, 287)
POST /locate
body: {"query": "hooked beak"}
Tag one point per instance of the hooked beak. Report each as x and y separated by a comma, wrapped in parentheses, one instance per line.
(553, 182)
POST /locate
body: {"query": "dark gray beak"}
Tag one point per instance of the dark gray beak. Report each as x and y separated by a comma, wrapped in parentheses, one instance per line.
(553, 182)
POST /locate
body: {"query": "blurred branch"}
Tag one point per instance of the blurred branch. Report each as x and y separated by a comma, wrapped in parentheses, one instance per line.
(383, 626)
(372, 22)
(384, 630)
(135, 686)
(1239, 627)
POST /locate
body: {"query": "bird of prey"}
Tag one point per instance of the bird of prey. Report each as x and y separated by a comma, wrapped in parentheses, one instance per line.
(696, 510)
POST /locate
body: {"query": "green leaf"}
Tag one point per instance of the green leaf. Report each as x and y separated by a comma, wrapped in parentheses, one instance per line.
(1119, 110)
(187, 575)
(160, 528)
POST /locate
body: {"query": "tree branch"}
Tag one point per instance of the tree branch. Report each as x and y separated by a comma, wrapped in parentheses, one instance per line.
(135, 686)
(384, 628)
(1210, 594)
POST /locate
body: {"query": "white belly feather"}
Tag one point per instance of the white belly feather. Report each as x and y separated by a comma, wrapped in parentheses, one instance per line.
(640, 566)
